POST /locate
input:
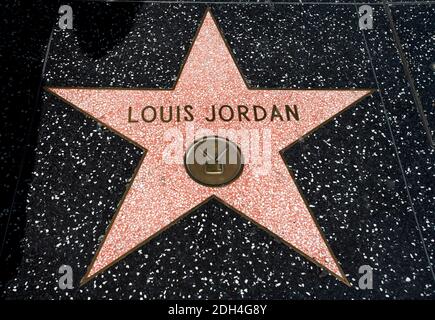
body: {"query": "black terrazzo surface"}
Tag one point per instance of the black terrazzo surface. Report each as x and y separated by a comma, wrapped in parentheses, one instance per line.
(349, 170)
(416, 28)
(25, 30)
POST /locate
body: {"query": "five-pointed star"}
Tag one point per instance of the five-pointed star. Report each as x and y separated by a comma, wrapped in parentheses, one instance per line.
(161, 193)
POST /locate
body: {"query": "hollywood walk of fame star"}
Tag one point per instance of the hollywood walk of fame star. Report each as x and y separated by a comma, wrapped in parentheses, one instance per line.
(161, 193)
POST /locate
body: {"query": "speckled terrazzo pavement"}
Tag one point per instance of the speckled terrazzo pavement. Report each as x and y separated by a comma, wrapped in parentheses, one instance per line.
(417, 33)
(351, 171)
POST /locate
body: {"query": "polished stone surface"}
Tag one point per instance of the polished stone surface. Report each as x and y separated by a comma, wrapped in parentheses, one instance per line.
(368, 175)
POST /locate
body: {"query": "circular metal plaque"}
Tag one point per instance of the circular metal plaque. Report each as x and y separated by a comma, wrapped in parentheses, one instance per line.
(213, 161)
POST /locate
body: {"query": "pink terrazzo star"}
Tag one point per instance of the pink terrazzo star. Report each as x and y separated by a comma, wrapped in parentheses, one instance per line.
(161, 193)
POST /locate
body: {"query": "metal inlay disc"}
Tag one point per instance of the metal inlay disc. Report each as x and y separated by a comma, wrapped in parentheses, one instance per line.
(213, 161)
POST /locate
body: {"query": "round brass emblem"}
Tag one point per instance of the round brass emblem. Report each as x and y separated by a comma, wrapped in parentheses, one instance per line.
(213, 161)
